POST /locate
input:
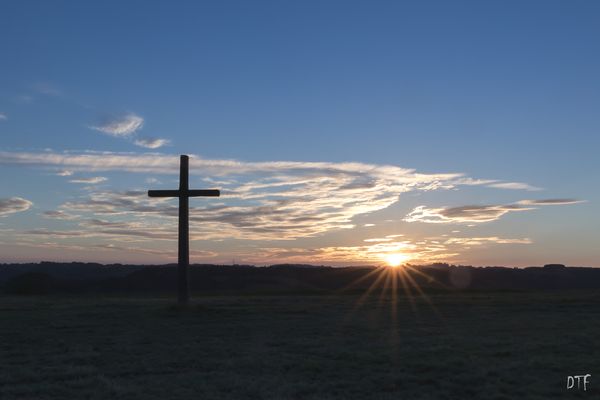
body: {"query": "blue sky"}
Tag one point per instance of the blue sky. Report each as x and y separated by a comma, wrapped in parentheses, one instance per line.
(468, 128)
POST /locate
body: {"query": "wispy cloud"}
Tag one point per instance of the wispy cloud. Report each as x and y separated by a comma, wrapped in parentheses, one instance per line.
(93, 180)
(65, 172)
(276, 200)
(550, 202)
(416, 251)
(271, 200)
(462, 214)
(496, 184)
(477, 213)
(57, 214)
(169, 164)
(127, 126)
(514, 186)
(123, 126)
(14, 205)
(3, 116)
(478, 241)
(163, 254)
(151, 143)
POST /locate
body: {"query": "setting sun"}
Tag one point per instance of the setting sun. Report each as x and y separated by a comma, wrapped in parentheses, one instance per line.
(395, 259)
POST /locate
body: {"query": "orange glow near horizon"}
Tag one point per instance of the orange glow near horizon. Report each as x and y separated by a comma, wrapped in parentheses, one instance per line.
(395, 259)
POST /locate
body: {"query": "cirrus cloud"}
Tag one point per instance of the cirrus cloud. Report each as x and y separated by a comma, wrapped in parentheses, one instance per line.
(123, 126)
(550, 202)
(92, 180)
(477, 213)
(151, 143)
(273, 200)
(514, 186)
(14, 205)
(57, 214)
(422, 251)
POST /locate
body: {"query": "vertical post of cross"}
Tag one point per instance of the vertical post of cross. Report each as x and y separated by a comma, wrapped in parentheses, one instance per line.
(184, 193)
(183, 289)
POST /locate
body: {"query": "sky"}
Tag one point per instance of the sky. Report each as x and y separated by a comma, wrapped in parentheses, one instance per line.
(339, 132)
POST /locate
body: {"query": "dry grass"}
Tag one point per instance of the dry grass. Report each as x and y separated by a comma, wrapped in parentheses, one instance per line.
(495, 345)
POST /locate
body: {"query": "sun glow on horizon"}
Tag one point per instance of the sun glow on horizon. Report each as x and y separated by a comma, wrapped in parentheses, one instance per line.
(395, 259)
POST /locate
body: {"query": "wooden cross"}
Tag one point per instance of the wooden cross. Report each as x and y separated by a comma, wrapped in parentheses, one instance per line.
(184, 193)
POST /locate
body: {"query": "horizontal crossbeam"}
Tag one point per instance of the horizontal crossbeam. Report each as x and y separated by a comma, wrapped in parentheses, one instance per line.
(184, 193)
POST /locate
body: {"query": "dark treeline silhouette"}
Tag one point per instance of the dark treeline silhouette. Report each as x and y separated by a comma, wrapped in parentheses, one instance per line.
(48, 278)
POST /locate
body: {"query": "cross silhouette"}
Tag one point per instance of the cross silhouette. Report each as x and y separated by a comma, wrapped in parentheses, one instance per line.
(184, 193)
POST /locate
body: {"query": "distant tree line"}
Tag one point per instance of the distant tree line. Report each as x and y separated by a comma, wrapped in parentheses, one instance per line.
(77, 278)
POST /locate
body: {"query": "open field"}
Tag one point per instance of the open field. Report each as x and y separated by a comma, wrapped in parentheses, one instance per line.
(502, 345)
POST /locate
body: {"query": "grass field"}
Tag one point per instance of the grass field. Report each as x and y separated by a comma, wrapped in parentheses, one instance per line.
(468, 345)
